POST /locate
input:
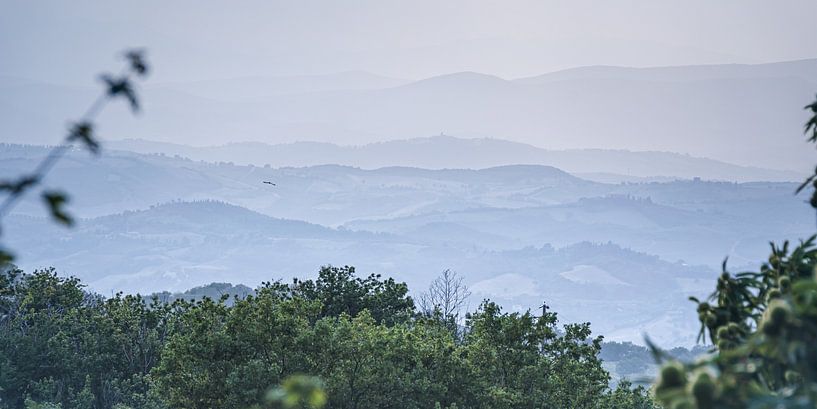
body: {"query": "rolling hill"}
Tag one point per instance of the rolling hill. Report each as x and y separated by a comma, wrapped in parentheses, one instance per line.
(521, 234)
(503, 207)
(180, 245)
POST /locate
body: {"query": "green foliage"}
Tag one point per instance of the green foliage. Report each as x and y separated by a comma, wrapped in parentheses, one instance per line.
(60, 344)
(764, 325)
(299, 391)
(367, 365)
(626, 396)
(63, 347)
(341, 292)
(30, 404)
(229, 357)
(212, 290)
(508, 355)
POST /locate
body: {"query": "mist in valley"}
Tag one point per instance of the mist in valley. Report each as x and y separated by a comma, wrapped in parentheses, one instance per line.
(605, 163)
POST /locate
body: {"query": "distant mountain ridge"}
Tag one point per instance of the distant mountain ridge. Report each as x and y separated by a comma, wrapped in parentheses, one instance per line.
(446, 152)
(799, 68)
(261, 88)
(745, 114)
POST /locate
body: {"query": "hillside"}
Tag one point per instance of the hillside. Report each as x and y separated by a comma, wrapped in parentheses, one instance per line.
(521, 234)
(181, 245)
(497, 208)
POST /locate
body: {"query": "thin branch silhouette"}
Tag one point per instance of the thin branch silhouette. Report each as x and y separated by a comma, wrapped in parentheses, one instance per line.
(82, 131)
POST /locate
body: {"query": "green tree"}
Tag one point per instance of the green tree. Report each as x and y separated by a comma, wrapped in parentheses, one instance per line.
(340, 291)
(627, 396)
(522, 361)
(220, 356)
(61, 346)
(366, 365)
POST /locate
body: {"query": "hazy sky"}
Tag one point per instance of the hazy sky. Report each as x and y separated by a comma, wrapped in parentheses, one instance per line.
(65, 40)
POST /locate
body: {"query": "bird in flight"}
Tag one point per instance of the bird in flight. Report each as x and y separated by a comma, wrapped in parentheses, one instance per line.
(269, 183)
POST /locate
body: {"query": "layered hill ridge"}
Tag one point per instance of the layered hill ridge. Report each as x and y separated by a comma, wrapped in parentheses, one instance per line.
(445, 152)
(521, 234)
(743, 114)
(798, 68)
(179, 245)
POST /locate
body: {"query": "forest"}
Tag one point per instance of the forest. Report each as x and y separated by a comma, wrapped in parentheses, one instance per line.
(363, 339)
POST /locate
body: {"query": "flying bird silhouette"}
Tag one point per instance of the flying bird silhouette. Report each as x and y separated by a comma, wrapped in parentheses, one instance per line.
(269, 183)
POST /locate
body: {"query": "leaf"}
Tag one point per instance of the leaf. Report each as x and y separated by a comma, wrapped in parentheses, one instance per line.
(121, 87)
(84, 132)
(657, 353)
(56, 202)
(299, 391)
(806, 183)
(17, 187)
(811, 125)
(136, 59)
(6, 257)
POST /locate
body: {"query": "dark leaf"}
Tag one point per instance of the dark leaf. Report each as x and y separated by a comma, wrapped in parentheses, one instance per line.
(136, 58)
(18, 186)
(811, 125)
(56, 202)
(5, 257)
(84, 132)
(657, 353)
(806, 183)
(812, 107)
(121, 87)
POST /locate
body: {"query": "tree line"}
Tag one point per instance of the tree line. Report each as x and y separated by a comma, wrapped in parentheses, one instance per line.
(361, 337)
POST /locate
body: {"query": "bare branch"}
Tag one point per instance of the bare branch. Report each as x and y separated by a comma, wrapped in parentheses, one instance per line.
(446, 295)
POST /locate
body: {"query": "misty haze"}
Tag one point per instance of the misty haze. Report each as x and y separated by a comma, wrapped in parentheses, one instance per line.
(466, 204)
